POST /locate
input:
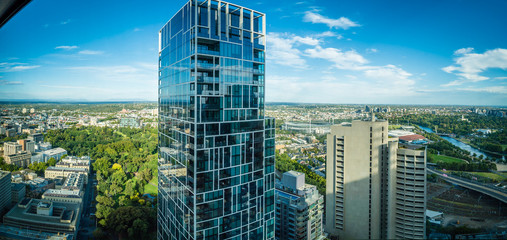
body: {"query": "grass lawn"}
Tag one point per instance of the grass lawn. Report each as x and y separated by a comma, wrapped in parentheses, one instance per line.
(490, 175)
(148, 188)
(441, 158)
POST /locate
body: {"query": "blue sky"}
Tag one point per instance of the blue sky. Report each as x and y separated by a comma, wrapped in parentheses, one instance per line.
(374, 52)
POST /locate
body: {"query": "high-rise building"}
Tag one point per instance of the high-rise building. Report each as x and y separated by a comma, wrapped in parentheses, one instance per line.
(216, 147)
(12, 148)
(299, 209)
(5, 191)
(375, 189)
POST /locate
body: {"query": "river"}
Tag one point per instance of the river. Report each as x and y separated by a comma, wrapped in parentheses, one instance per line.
(459, 144)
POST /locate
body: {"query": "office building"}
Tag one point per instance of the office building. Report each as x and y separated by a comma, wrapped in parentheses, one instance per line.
(55, 153)
(54, 172)
(37, 138)
(299, 209)
(132, 122)
(18, 192)
(216, 166)
(20, 159)
(74, 181)
(75, 162)
(375, 189)
(5, 191)
(12, 148)
(63, 196)
(46, 217)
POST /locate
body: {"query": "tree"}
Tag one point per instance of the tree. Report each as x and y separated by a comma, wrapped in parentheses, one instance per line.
(52, 162)
(132, 222)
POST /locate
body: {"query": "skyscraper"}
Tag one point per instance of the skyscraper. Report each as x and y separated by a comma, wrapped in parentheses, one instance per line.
(216, 147)
(374, 188)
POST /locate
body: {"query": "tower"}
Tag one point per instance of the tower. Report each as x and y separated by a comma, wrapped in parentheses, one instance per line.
(216, 147)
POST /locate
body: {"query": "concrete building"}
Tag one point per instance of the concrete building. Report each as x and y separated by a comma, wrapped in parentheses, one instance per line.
(54, 172)
(63, 196)
(372, 185)
(75, 162)
(133, 122)
(12, 148)
(55, 153)
(46, 217)
(18, 192)
(74, 181)
(5, 191)
(43, 146)
(27, 145)
(216, 162)
(20, 159)
(298, 209)
(37, 157)
(11, 132)
(37, 138)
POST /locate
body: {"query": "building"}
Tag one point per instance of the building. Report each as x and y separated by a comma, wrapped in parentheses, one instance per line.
(37, 138)
(12, 148)
(75, 162)
(5, 196)
(11, 132)
(27, 145)
(63, 196)
(216, 166)
(45, 217)
(375, 189)
(20, 159)
(43, 146)
(298, 210)
(74, 181)
(54, 172)
(132, 122)
(18, 192)
(55, 153)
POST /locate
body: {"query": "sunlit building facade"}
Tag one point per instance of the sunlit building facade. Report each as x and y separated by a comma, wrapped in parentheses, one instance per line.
(216, 147)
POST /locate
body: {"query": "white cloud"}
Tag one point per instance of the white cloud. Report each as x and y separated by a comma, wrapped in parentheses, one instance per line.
(6, 82)
(349, 60)
(341, 22)
(501, 78)
(65, 22)
(492, 89)
(468, 66)
(90, 52)
(371, 50)
(283, 49)
(462, 51)
(66, 47)
(16, 67)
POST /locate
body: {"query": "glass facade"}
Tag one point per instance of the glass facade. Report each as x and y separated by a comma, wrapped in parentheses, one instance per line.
(216, 147)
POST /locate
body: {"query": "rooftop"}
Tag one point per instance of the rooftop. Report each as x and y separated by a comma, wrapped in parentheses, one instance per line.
(63, 213)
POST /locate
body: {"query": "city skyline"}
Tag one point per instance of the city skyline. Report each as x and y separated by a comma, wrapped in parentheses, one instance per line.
(320, 52)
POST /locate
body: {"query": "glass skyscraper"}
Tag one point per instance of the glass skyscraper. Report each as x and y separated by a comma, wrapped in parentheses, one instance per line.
(216, 147)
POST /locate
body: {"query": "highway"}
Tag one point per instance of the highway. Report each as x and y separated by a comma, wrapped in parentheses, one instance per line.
(490, 191)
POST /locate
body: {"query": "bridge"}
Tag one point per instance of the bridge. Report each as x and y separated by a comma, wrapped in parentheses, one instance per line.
(491, 191)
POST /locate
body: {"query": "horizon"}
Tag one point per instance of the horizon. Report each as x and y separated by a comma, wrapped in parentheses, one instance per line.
(317, 52)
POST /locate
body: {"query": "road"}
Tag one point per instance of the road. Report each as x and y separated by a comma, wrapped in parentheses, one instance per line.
(87, 225)
(502, 196)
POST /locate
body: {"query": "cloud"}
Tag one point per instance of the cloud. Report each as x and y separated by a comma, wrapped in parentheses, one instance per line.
(65, 22)
(283, 49)
(136, 72)
(5, 82)
(90, 52)
(462, 51)
(468, 66)
(349, 60)
(371, 50)
(16, 67)
(342, 22)
(137, 29)
(492, 89)
(66, 47)
(501, 78)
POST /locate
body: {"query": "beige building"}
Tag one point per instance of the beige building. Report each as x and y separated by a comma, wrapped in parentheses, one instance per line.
(63, 196)
(20, 159)
(367, 186)
(54, 172)
(12, 148)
